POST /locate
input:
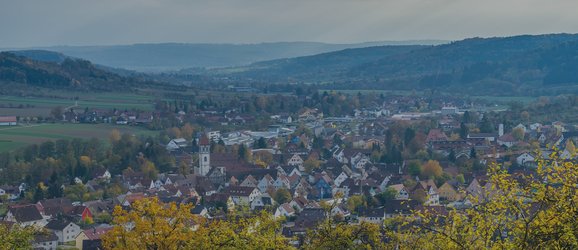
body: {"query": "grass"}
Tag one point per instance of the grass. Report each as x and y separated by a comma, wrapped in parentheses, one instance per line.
(100, 101)
(366, 91)
(41, 105)
(507, 99)
(12, 138)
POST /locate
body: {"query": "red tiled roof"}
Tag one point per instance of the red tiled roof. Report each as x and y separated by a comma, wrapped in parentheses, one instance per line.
(96, 233)
(204, 140)
(7, 118)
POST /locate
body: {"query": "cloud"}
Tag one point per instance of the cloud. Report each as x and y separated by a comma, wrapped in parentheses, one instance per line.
(75, 22)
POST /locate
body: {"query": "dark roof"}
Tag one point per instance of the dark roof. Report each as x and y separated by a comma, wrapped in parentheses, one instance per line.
(56, 202)
(58, 225)
(92, 244)
(240, 191)
(373, 212)
(197, 209)
(45, 236)
(216, 197)
(400, 206)
(25, 213)
(309, 217)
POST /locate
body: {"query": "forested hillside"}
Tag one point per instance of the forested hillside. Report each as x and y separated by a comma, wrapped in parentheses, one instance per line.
(544, 64)
(60, 73)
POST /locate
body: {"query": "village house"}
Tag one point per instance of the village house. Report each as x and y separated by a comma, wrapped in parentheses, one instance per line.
(284, 210)
(11, 192)
(401, 192)
(243, 195)
(91, 238)
(25, 215)
(449, 191)
(65, 230)
(46, 241)
(374, 215)
(177, 144)
(8, 121)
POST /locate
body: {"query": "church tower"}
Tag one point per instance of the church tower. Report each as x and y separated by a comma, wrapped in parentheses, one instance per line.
(204, 156)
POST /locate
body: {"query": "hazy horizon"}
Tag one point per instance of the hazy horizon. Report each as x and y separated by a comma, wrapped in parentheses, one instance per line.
(37, 23)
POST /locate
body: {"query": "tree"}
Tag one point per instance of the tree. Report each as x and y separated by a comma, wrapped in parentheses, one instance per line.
(282, 195)
(408, 135)
(261, 143)
(333, 234)
(432, 168)
(187, 131)
(16, 237)
(452, 156)
(311, 164)
(54, 189)
(76, 192)
(184, 168)
(460, 179)
(464, 131)
(386, 196)
(414, 168)
(260, 231)
(525, 212)
(57, 113)
(150, 225)
(525, 115)
(355, 202)
(149, 169)
(518, 133)
(114, 136)
(341, 235)
(154, 225)
(263, 156)
(39, 192)
(244, 153)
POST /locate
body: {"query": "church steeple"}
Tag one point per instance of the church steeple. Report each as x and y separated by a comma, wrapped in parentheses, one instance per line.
(204, 156)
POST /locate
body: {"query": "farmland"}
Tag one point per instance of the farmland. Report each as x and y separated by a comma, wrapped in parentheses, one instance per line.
(14, 137)
(41, 106)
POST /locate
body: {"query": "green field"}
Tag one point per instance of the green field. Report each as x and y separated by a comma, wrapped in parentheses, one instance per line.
(15, 137)
(15, 105)
(507, 99)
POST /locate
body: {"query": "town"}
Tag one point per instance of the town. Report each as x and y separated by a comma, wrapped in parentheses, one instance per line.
(371, 157)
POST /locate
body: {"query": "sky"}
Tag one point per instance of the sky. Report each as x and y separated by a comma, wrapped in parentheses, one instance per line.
(29, 23)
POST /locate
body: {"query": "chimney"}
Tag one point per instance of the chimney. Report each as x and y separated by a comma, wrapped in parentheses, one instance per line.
(500, 129)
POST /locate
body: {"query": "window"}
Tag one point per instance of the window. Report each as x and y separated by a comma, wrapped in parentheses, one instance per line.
(205, 159)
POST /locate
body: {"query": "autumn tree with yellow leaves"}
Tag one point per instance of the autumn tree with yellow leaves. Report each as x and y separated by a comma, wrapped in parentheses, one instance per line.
(16, 237)
(536, 211)
(516, 211)
(151, 224)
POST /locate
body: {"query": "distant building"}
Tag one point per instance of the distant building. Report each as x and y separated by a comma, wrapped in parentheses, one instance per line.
(449, 110)
(8, 121)
(204, 156)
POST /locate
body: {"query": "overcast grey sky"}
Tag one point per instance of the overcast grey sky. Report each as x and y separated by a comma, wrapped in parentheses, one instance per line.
(25, 23)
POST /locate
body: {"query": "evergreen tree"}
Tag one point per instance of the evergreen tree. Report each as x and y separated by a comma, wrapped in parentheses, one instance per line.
(464, 131)
(473, 154)
(38, 193)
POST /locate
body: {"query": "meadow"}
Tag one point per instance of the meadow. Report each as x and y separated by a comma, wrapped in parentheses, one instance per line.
(41, 105)
(14, 137)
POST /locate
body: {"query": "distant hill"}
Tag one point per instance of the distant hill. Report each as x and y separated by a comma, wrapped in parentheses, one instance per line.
(60, 73)
(543, 64)
(177, 56)
(41, 55)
